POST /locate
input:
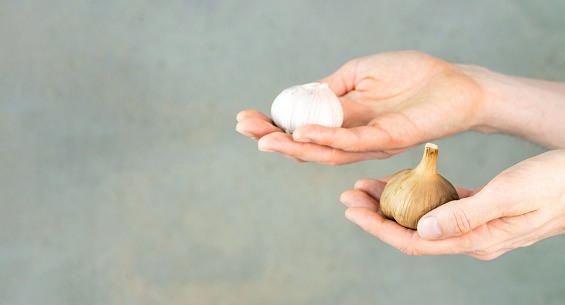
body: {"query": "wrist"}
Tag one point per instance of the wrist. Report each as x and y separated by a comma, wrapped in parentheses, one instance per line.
(530, 109)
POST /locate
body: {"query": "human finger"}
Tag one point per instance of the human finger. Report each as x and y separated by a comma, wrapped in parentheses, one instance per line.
(355, 198)
(295, 159)
(463, 192)
(247, 114)
(406, 240)
(343, 80)
(380, 136)
(373, 187)
(284, 144)
(459, 217)
(256, 127)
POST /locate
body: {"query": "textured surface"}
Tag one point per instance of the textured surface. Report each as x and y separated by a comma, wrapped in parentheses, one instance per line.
(123, 180)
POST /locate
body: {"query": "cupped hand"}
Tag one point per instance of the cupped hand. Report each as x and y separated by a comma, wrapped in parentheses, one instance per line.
(522, 205)
(392, 102)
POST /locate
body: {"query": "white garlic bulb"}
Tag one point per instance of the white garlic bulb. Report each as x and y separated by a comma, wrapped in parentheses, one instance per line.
(313, 103)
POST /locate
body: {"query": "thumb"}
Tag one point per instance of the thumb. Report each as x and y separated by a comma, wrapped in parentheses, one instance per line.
(457, 218)
(343, 80)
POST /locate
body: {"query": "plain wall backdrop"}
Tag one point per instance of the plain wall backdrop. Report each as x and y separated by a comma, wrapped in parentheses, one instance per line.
(123, 180)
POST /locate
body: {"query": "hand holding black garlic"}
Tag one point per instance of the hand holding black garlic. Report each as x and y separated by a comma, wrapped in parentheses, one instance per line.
(412, 193)
(313, 103)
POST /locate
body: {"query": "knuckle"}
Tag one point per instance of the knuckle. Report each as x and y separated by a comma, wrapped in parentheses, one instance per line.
(410, 247)
(486, 254)
(386, 136)
(459, 222)
(357, 146)
(333, 158)
(411, 250)
(351, 64)
(332, 162)
(331, 140)
(482, 252)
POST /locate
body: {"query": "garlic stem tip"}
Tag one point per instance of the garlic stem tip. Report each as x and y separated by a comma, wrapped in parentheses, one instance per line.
(431, 145)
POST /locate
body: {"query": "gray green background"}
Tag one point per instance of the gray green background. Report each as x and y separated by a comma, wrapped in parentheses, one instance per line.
(123, 180)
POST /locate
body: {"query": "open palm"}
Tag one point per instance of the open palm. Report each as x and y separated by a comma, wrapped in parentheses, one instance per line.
(517, 208)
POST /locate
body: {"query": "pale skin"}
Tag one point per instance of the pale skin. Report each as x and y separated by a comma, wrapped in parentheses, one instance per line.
(396, 101)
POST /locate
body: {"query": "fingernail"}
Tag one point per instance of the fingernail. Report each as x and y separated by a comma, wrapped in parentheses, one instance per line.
(428, 228)
(266, 149)
(252, 136)
(244, 132)
(345, 203)
(349, 214)
(349, 217)
(303, 140)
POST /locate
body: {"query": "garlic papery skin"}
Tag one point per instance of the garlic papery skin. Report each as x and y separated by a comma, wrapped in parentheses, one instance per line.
(313, 103)
(412, 193)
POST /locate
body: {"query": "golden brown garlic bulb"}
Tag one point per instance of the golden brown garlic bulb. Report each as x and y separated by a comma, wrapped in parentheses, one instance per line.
(411, 193)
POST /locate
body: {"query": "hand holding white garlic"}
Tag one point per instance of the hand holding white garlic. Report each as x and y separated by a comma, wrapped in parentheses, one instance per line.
(313, 103)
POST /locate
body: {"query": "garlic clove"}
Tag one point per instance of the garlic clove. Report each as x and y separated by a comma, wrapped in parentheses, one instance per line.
(412, 193)
(313, 103)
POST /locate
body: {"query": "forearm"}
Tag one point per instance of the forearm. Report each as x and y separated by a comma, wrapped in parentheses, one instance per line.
(530, 109)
